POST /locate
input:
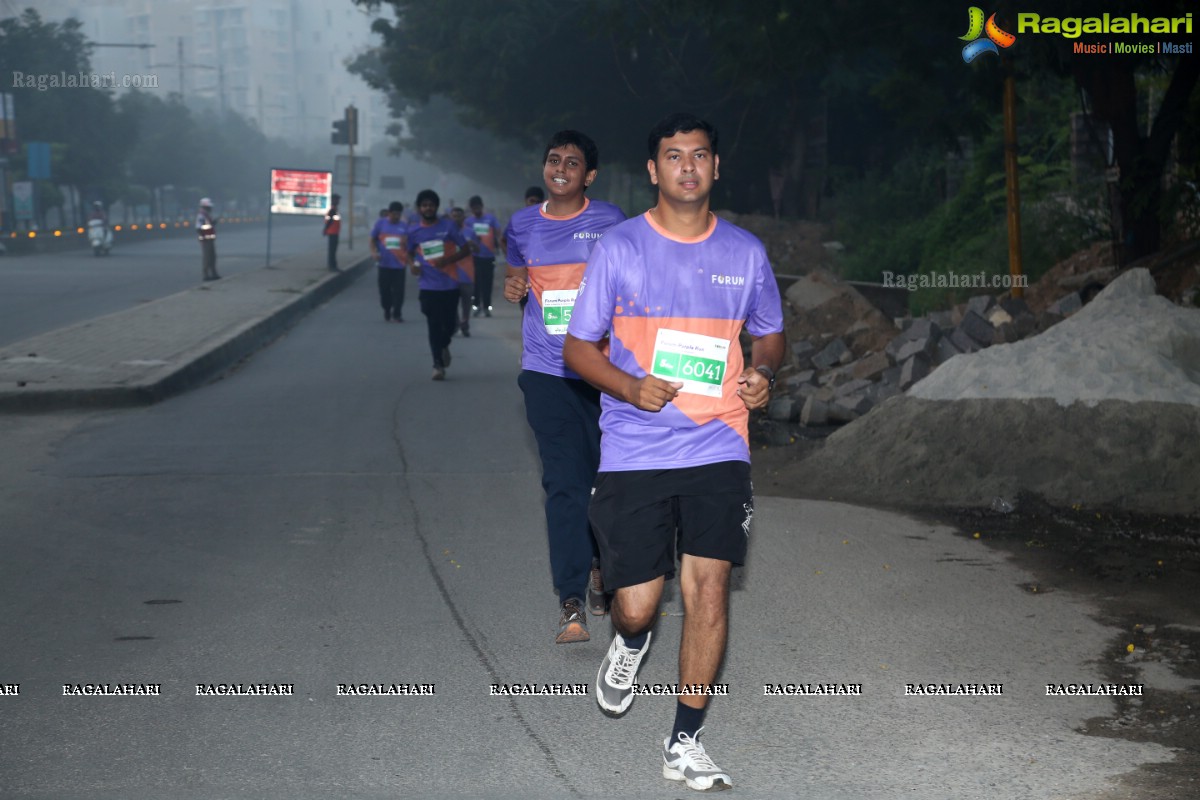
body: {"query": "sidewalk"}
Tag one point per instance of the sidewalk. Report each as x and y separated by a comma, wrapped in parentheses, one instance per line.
(145, 354)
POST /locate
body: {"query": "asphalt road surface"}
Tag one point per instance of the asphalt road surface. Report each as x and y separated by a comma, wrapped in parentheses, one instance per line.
(326, 514)
(47, 291)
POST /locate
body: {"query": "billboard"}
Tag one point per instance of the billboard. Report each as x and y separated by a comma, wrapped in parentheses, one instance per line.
(300, 191)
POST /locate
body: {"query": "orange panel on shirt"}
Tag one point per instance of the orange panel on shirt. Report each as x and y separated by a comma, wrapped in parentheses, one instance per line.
(553, 278)
(637, 335)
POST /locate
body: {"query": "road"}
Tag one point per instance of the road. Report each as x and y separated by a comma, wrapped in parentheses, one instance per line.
(326, 514)
(42, 292)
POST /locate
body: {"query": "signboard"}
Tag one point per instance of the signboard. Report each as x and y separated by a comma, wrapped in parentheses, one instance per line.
(300, 191)
(362, 170)
(23, 199)
(391, 181)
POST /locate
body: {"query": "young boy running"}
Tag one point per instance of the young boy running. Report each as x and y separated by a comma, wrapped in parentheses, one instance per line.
(675, 287)
(548, 245)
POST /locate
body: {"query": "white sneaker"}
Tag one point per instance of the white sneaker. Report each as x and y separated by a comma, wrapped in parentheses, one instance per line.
(685, 760)
(618, 672)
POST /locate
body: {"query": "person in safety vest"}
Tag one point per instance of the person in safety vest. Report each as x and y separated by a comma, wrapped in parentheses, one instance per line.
(333, 229)
(206, 231)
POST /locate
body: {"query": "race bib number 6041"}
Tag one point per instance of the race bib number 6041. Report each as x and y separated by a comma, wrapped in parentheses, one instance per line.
(696, 360)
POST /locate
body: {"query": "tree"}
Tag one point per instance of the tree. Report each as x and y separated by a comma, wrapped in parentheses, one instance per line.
(83, 120)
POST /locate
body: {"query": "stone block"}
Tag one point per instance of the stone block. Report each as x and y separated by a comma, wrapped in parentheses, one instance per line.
(803, 350)
(782, 409)
(824, 394)
(871, 366)
(977, 328)
(998, 316)
(850, 388)
(1005, 333)
(890, 376)
(924, 346)
(830, 355)
(924, 328)
(1067, 305)
(807, 376)
(1015, 306)
(815, 412)
(981, 304)
(914, 370)
(849, 408)
(946, 351)
(963, 342)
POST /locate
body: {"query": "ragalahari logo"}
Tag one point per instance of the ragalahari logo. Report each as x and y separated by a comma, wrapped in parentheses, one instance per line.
(996, 38)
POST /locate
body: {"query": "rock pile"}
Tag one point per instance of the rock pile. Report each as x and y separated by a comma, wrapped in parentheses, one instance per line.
(849, 357)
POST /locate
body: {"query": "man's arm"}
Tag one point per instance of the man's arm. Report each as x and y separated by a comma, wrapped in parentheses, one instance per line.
(765, 351)
(588, 360)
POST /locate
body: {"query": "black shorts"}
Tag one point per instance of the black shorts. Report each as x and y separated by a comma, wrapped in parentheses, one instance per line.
(637, 517)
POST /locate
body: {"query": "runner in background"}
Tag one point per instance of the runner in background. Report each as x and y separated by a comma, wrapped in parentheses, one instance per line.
(465, 272)
(486, 229)
(436, 247)
(388, 243)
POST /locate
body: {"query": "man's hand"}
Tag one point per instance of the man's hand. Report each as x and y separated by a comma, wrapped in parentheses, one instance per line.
(515, 288)
(753, 388)
(651, 393)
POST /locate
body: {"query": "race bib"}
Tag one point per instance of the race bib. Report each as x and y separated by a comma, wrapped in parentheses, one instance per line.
(481, 229)
(556, 309)
(391, 242)
(696, 360)
(434, 249)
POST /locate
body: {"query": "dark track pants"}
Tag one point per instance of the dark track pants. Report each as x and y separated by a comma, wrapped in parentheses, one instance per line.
(391, 291)
(440, 308)
(564, 414)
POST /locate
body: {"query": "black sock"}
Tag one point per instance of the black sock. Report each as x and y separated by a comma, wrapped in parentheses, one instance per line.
(635, 642)
(687, 720)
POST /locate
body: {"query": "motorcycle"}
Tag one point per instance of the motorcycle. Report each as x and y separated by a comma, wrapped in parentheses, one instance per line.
(99, 237)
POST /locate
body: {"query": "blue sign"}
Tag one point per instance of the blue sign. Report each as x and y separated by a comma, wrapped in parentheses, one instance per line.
(39, 160)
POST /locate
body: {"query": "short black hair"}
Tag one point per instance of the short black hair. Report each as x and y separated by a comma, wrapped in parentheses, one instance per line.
(535, 191)
(336, 197)
(396, 206)
(679, 122)
(591, 153)
(475, 200)
(428, 194)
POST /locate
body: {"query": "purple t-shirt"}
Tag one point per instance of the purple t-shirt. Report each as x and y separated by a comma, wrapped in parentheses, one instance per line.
(675, 307)
(389, 238)
(554, 251)
(427, 242)
(485, 228)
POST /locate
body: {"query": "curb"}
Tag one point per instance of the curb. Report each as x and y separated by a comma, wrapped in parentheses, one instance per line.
(215, 358)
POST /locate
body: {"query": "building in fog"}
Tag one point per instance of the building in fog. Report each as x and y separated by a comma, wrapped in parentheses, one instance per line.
(279, 63)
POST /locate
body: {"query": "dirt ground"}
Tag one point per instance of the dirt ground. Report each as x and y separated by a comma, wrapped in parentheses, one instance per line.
(1142, 571)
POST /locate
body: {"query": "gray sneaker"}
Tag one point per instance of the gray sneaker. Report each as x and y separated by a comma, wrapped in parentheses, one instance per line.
(618, 672)
(572, 623)
(685, 760)
(446, 356)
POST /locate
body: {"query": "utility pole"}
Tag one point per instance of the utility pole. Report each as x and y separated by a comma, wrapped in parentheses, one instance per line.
(352, 133)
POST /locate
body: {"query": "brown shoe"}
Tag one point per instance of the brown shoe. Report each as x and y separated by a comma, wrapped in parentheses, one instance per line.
(572, 623)
(597, 600)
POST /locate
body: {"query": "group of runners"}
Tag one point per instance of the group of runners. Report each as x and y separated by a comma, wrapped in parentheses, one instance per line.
(638, 394)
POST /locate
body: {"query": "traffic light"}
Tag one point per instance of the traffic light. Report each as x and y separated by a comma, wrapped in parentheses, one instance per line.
(340, 135)
(352, 124)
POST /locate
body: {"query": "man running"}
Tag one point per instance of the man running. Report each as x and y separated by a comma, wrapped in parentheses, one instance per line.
(675, 287)
(548, 245)
(389, 249)
(436, 247)
(487, 232)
